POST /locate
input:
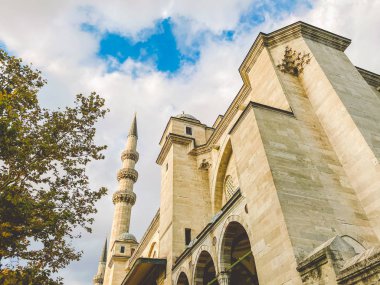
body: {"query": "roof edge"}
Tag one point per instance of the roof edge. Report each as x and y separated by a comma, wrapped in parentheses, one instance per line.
(292, 31)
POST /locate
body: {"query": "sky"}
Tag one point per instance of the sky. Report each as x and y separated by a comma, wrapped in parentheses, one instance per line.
(157, 58)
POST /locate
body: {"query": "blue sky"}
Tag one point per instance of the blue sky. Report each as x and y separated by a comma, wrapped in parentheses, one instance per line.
(157, 58)
(158, 45)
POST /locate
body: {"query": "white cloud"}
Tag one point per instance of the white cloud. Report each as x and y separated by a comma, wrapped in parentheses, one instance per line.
(48, 34)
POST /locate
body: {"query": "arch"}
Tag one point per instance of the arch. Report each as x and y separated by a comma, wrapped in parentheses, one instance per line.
(152, 250)
(358, 247)
(182, 279)
(218, 179)
(205, 269)
(235, 254)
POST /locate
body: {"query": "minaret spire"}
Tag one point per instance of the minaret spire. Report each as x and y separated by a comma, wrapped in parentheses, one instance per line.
(99, 277)
(103, 257)
(133, 129)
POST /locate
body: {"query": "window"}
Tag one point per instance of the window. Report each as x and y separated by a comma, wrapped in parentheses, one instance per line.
(229, 187)
(187, 236)
(122, 249)
(189, 131)
(132, 251)
(167, 166)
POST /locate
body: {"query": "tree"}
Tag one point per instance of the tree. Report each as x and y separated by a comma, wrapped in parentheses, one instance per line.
(45, 197)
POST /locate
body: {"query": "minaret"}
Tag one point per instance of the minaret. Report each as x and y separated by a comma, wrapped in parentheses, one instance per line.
(122, 243)
(99, 277)
(124, 198)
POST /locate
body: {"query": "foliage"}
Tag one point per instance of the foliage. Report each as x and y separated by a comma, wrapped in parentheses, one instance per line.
(45, 198)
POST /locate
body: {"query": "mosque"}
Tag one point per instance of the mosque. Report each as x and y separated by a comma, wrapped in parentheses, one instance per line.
(282, 189)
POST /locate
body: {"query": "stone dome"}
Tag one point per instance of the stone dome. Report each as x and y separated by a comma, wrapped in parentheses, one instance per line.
(127, 237)
(187, 116)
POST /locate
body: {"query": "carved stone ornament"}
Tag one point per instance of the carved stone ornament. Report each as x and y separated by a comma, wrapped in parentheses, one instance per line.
(204, 164)
(294, 62)
(130, 154)
(127, 173)
(122, 196)
(98, 279)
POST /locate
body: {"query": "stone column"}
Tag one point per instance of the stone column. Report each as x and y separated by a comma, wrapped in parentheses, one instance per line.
(224, 278)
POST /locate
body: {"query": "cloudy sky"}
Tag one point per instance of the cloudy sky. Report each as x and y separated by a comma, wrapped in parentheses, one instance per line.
(158, 58)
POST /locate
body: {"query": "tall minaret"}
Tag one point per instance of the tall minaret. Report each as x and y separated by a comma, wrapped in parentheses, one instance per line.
(124, 198)
(99, 277)
(122, 243)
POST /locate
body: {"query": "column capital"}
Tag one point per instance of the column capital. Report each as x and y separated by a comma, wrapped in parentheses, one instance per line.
(224, 278)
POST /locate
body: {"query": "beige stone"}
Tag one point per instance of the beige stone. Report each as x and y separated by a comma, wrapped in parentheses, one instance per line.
(284, 188)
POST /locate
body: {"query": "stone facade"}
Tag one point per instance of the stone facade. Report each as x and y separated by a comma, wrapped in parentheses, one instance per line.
(284, 188)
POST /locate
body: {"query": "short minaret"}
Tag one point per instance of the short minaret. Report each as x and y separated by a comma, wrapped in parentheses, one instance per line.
(122, 243)
(99, 277)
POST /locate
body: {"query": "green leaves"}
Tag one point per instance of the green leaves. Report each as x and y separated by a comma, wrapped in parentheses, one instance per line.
(44, 190)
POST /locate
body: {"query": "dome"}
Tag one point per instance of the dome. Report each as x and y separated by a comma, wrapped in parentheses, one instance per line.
(187, 116)
(127, 237)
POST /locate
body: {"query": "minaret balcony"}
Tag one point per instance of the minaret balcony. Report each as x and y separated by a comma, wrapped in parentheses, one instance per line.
(127, 173)
(130, 154)
(123, 196)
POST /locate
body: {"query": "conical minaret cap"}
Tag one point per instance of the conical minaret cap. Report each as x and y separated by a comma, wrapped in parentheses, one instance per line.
(133, 129)
(103, 257)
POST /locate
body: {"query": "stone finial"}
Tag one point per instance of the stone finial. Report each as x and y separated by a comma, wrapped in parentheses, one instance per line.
(293, 61)
(133, 129)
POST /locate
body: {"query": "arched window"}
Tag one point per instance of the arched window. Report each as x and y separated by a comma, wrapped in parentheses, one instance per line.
(229, 187)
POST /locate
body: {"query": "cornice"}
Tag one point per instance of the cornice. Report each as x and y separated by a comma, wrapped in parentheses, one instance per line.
(372, 78)
(293, 31)
(368, 264)
(255, 105)
(170, 140)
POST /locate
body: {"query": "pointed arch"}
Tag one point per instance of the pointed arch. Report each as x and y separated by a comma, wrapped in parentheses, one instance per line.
(218, 180)
(205, 269)
(235, 253)
(182, 279)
